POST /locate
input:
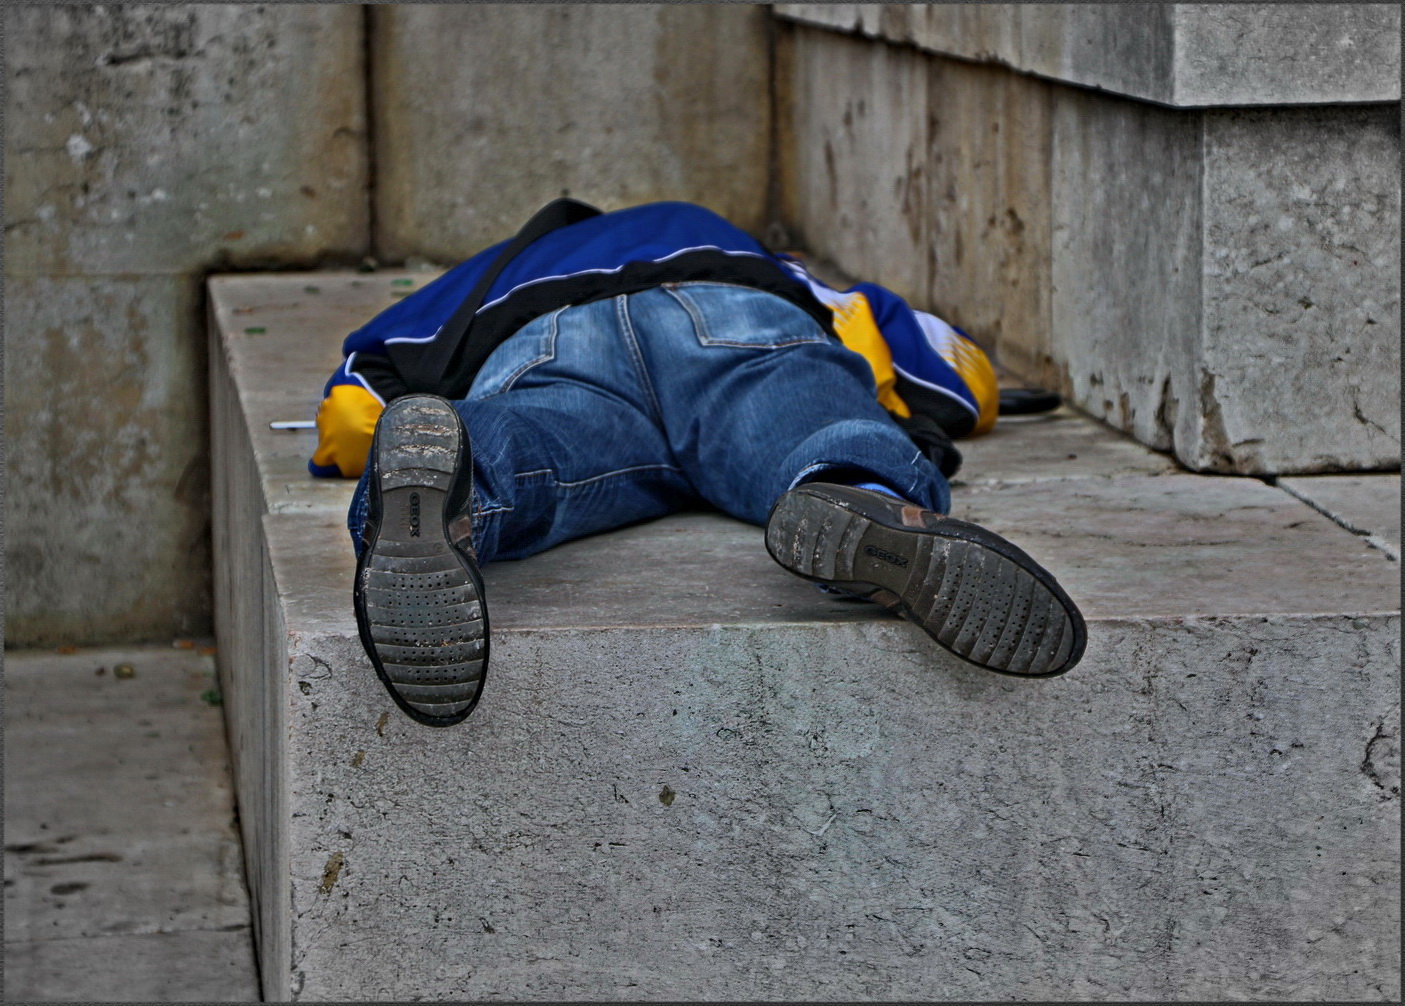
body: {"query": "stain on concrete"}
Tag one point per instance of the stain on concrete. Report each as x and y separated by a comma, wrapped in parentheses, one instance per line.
(96, 857)
(331, 872)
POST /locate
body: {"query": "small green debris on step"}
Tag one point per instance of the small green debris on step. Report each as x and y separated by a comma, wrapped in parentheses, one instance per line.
(212, 697)
(312, 289)
(124, 671)
(255, 330)
(402, 282)
(666, 796)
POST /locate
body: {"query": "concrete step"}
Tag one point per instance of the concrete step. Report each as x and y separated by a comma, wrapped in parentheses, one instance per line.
(692, 776)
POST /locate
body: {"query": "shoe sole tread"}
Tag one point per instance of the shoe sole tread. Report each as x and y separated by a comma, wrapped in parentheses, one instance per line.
(419, 601)
(976, 594)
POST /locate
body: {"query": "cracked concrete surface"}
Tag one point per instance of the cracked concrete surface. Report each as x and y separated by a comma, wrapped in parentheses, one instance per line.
(1381, 763)
(1366, 505)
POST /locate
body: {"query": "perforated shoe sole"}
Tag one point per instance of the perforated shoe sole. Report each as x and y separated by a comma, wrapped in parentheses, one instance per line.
(419, 596)
(978, 595)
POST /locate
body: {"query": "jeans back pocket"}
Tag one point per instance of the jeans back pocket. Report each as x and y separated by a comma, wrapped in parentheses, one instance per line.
(530, 346)
(744, 318)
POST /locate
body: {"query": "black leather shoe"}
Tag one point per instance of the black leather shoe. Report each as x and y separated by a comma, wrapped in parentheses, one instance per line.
(972, 591)
(419, 596)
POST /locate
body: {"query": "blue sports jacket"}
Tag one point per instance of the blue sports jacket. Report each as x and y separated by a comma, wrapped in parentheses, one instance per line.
(930, 376)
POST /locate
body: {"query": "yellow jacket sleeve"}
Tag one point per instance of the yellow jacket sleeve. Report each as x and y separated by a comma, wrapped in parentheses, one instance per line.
(346, 421)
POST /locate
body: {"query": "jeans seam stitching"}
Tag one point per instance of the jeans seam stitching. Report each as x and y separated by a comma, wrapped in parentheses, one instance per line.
(546, 357)
(596, 478)
(636, 356)
(700, 330)
(763, 345)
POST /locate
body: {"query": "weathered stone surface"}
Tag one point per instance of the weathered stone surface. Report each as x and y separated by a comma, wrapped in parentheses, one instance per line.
(1058, 445)
(1300, 354)
(122, 873)
(1261, 274)
(169, 139)
(1277, 54)
(796, 815)
(127, 818)
(685, 778)
(1125, 48)
(1240, 711)
(249, 628)
(854, 159)
(197, 966)
(274, 340)
(1174, 545)
(1175, 54)
(612, 104)
(929, 176)
(1191, 277)
(1133, 546)
(1126, 263)
(107, 509)
(988, 198)
(1368, 505)
(632, 812)
(145, 144)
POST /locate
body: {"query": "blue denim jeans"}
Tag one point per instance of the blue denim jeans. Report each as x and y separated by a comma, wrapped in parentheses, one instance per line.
(607, 413)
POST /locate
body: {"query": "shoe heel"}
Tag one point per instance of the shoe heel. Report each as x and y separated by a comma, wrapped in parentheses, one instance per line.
(419, 444)
(814, 539)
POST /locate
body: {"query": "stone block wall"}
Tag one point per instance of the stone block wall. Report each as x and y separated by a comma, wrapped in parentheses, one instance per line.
(1180, 54)
(147, 146)
(1201, 251)
(614, 104)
